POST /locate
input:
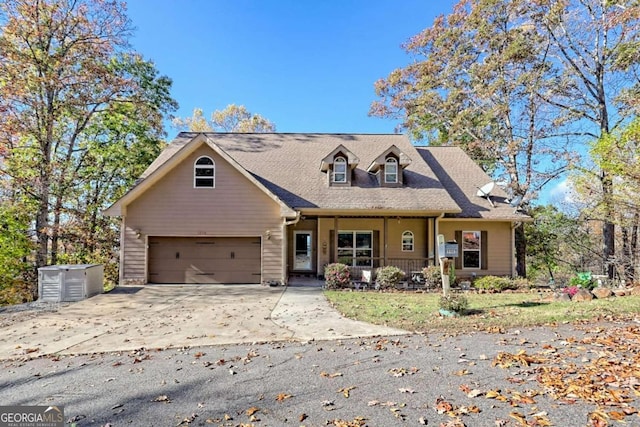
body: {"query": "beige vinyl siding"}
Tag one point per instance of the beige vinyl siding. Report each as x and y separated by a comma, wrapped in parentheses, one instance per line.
(393, 243)
(134, 260)
(395, 228)
(173, 207)
(499, 245)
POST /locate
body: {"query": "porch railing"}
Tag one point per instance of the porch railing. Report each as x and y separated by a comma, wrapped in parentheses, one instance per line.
(408, 265)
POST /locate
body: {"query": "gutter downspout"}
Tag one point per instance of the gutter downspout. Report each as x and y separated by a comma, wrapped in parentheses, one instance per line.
(285, 239)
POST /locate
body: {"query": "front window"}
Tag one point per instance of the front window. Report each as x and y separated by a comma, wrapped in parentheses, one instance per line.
(340, 170)
(204, 175)
(355, 248)
(407, 241)
(471, 249)
(391, 170)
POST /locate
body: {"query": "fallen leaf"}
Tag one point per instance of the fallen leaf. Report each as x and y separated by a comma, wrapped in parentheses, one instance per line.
(282, 396)
(252, 411)
(345, 390)
(475, 393)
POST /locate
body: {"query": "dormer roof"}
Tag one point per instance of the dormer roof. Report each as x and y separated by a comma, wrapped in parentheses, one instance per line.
(403, 159)
(327, 161)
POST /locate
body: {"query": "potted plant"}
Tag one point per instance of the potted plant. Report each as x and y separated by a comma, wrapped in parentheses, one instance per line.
(453, 304)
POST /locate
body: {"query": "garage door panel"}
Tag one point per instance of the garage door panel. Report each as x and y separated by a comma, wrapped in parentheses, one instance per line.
(204, 260)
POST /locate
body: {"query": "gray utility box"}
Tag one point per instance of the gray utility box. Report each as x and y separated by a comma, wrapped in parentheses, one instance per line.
(76, 282)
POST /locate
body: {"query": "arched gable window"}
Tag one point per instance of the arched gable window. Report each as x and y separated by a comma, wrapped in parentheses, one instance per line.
(204, 173)
(407, 241)
(340, 169)
(391, 170)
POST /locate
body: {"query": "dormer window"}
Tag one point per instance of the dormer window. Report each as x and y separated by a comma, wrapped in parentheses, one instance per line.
(391, 171)
(204, 173)
(340, 170)
(339, 166)
(389, 167)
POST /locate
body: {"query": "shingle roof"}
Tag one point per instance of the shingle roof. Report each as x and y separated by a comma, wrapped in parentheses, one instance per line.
(462, 177)
(289, 165)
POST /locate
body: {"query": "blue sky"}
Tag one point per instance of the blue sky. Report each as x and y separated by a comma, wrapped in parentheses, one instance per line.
(308, 66)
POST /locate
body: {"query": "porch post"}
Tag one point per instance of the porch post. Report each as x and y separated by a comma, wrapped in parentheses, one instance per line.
(384, 237)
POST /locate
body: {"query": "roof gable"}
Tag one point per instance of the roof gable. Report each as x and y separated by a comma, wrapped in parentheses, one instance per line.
(403, 159)
(327, 161)
(171, 157)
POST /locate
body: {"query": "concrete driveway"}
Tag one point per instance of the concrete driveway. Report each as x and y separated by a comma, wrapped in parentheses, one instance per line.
(130, 318)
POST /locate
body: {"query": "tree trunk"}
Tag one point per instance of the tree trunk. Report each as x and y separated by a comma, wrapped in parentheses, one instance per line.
(521, 251)
(55, 230)
(626, 253)
(634, 248)
(42, 221)
(608, 228)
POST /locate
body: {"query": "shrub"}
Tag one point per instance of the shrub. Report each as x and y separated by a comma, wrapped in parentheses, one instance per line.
(571, 290)
(17, 292)
(456, 303)
(521, 283)
(389, 276)
(582, 280)
(337, 276)
(494, 283)
(432, 277)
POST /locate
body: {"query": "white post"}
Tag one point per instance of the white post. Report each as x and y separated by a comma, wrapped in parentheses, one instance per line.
(444, 273)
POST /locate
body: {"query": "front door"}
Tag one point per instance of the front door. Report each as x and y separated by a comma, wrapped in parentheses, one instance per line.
(302, 247)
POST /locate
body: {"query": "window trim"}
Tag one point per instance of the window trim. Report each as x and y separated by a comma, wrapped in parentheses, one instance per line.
(197, 167)
(355, 249)
(342, 161)
(478, 250)
(409, 234)
(390, 161)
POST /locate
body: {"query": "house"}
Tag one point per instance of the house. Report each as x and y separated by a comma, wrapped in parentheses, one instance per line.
(260, 208)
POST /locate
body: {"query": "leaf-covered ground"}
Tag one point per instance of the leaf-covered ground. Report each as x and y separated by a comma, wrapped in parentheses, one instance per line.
(585, 374)
(419, 311)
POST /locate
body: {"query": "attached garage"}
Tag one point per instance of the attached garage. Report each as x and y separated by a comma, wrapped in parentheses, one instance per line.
(222, 260)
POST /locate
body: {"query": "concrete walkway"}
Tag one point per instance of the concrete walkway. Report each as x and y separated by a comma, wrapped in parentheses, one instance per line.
(130, 318)
(306, 312)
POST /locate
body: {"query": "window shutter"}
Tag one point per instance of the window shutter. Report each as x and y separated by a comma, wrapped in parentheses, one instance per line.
(484, 255)
(332, 246)
(459, 258)
(376, 248)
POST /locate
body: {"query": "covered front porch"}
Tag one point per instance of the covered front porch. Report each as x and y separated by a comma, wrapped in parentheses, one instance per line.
(362, 242)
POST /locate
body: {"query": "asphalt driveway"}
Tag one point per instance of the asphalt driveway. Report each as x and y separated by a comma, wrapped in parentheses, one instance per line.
(157, 317)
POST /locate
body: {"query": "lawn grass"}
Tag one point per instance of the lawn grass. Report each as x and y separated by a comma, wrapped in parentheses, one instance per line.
(493, 312)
